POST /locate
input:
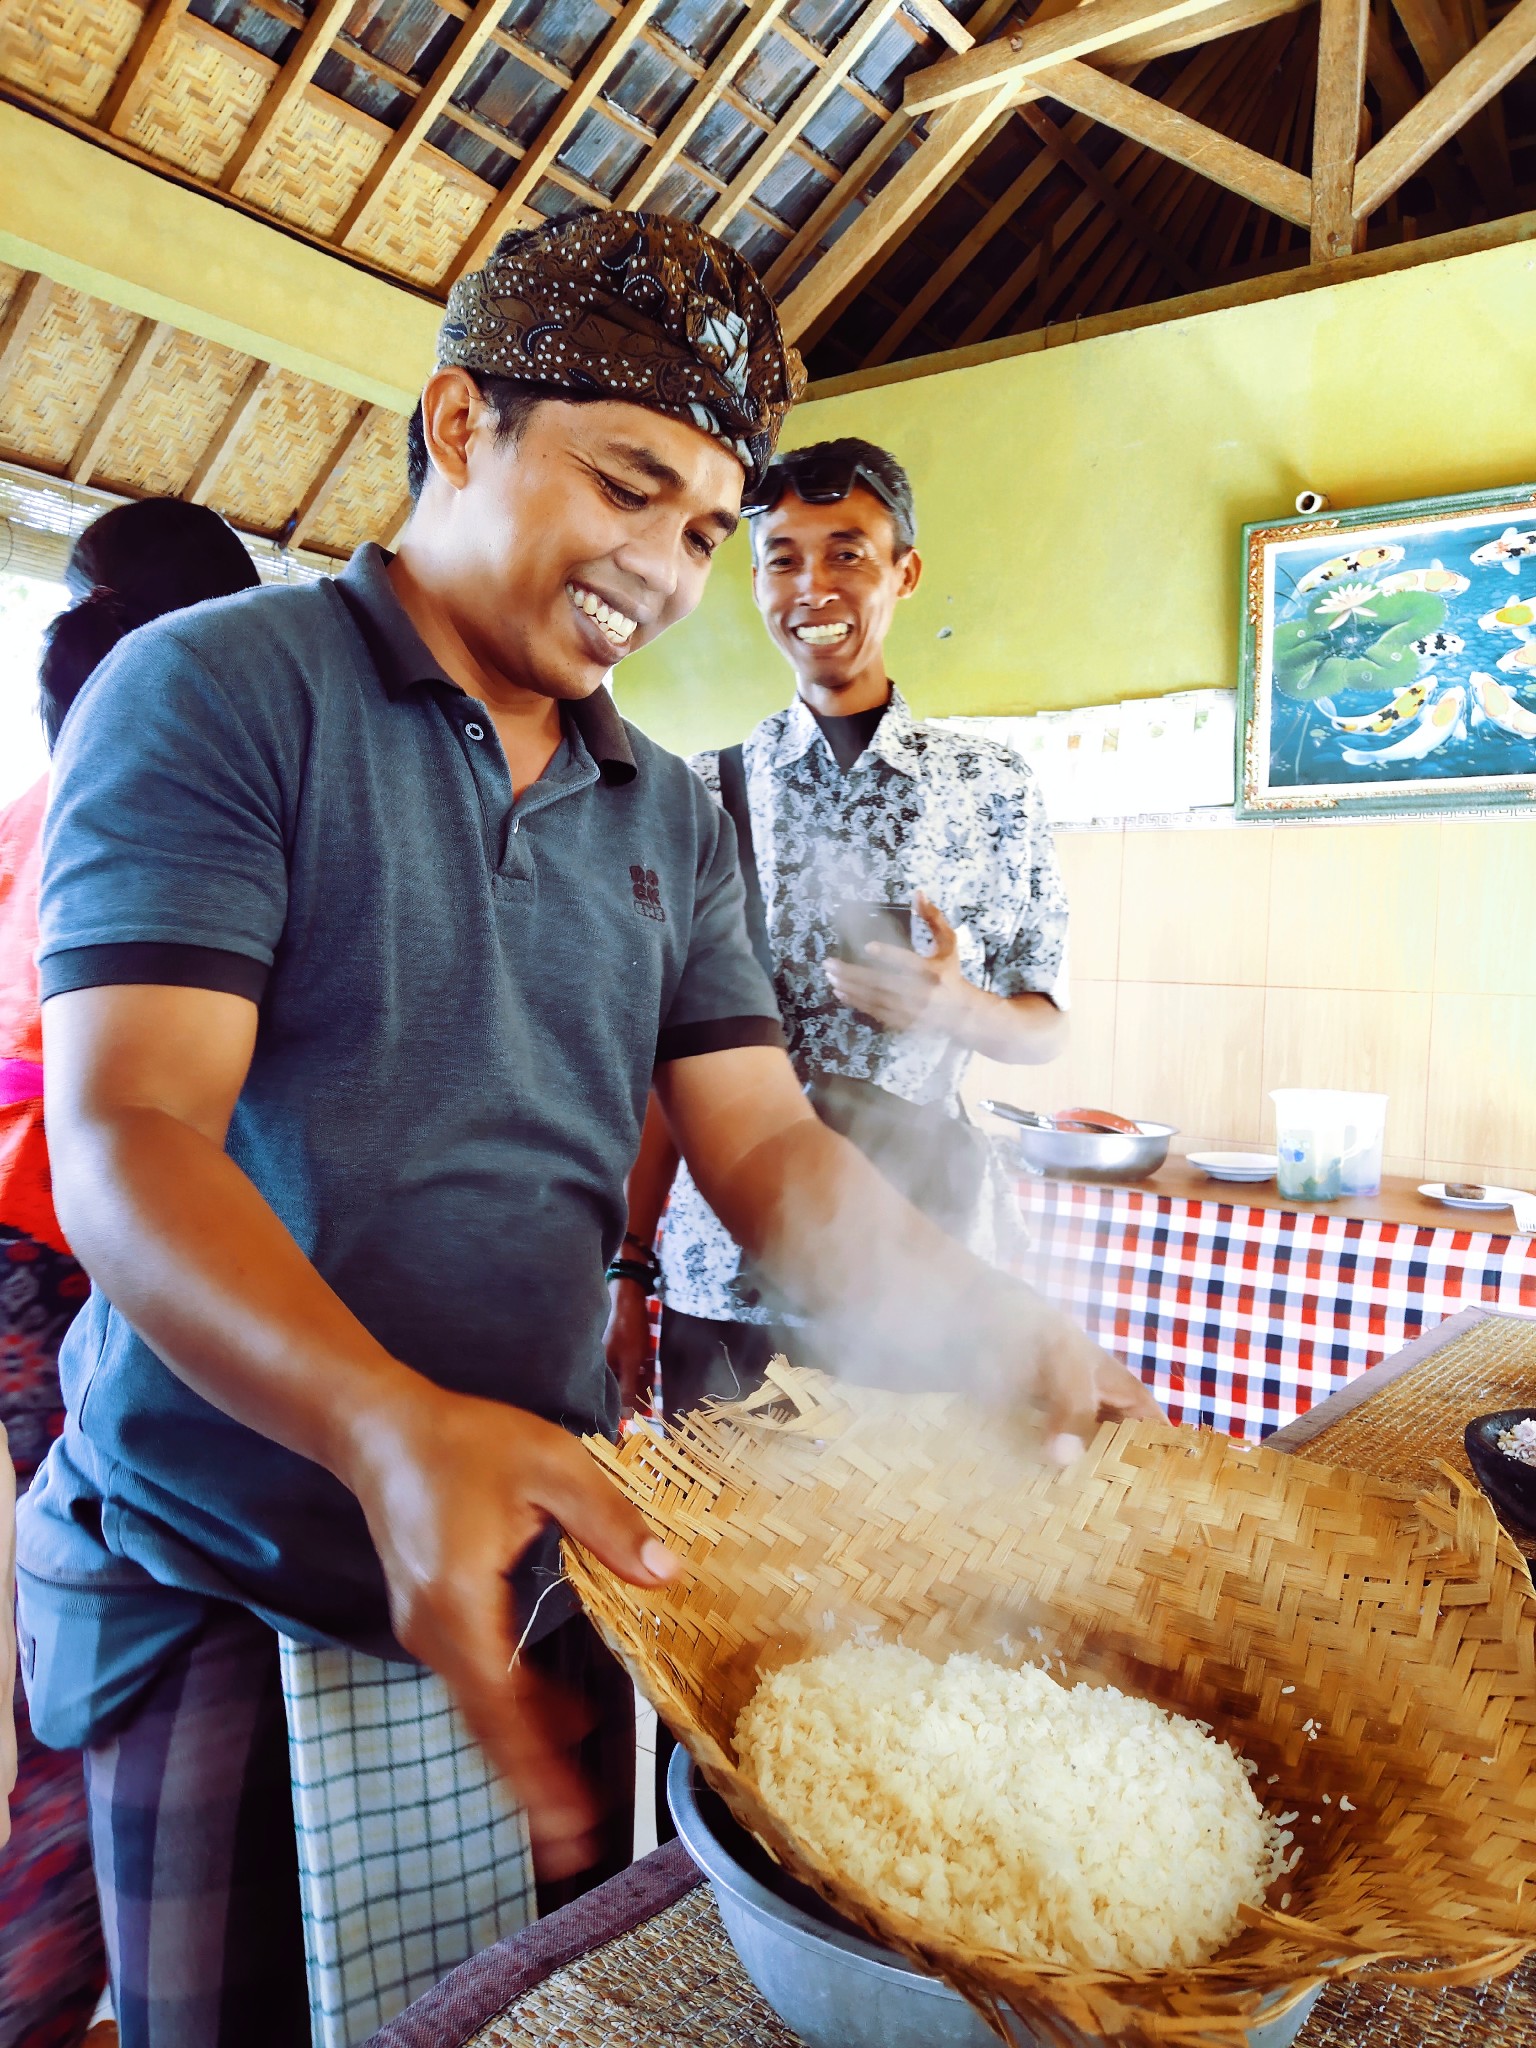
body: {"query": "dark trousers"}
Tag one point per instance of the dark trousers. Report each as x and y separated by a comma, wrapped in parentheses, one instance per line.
(702, 1360)
(196, 1857)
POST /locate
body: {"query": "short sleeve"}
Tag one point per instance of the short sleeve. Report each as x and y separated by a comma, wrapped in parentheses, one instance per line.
(165, 835)
(1033, 959)
(723, 998)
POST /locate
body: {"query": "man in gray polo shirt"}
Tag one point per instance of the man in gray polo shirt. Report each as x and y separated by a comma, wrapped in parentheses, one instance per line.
(366, 922)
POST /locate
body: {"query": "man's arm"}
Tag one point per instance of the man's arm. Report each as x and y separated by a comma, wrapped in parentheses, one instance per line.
(627, 1339)
(898, 1301)
(927, 991)
(141, 1084)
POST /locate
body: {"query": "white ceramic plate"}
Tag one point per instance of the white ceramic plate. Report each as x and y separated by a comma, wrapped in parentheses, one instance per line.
(1236, 1165)
(1435, 1189)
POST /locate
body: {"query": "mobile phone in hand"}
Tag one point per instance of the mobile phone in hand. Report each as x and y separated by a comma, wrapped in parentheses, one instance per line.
(861, 924)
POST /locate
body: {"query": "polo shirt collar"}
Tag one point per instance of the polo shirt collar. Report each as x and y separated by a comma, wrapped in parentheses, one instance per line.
(897, 740)
(404, 661)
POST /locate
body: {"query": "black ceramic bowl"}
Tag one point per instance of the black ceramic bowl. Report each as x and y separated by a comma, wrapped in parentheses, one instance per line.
(1508, 1483)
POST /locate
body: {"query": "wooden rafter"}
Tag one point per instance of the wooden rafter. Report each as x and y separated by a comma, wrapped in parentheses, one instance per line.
(555, 134)
(1109, 196)
(316, 37)
(325, 484)
(242, 408)
(679, 131)
(1446, 108)
(134, 78)
(119, 395)
(28, 304)
(946, 26)
(1441, 37)
(433, 97)
(1341, 44)
(927, 170)
(1013, 59)
(1206, 75)
(803, 109)
(838, 198)
(1190, 143)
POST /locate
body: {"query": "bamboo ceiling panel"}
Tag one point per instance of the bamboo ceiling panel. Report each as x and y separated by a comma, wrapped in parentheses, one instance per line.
(369, 501)
(66, 51)
(199, 102)
(63, 371)
(155, 447)
(309, 179)
(282, 451)
(278, 436)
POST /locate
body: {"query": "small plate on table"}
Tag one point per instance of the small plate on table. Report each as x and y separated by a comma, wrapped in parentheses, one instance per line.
(1242, 1166)
(1489, 1198)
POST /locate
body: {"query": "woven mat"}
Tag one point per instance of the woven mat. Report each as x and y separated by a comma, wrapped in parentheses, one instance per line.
(676, 1983)
(1410, 1422)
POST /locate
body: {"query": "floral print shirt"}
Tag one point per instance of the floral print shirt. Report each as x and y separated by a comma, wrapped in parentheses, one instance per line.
(924, 807)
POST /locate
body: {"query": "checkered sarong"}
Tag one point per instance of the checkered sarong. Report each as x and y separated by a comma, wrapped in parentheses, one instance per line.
(1240, 1318)
(411, 1856)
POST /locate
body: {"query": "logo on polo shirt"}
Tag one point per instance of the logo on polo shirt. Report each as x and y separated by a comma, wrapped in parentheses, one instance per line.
(647, 887)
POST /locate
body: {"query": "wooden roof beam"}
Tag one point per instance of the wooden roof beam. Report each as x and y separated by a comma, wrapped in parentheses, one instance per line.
(315, 38)
(1336, 126)
(28, 304)
(555, 134)
(930, 166)
(161, 20)
(679, 131)
(803, 109)
(326, 482)
(845, 193)
(1109, 196)
(1440, 39)
(238, 416)
(1163, 128)
(1015, 58)
(430, 102)
(1446, 108)
(1194, 88)
(127, 381)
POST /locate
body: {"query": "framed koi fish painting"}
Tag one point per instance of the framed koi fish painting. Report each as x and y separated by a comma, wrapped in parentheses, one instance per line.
(1389, 658)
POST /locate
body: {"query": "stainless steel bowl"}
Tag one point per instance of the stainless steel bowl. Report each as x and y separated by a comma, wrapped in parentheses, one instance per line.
(1085, 1155)
(829, 1983)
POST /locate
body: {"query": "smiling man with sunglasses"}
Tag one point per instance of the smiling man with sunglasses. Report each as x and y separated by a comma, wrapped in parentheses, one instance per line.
(859, 829)
(367, 923)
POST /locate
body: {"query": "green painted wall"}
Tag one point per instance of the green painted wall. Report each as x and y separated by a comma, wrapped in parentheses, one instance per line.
(1080, 508)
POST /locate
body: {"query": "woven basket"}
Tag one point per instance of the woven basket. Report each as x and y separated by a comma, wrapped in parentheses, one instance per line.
(1353, 1641)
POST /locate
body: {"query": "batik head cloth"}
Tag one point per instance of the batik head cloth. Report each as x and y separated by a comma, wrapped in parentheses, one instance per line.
(633, 306)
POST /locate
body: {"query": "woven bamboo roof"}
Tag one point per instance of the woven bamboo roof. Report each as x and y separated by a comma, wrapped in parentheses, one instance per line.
(909, 176)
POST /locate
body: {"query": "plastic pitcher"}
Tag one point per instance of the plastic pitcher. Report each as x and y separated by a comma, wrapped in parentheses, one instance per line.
(1329, 1141)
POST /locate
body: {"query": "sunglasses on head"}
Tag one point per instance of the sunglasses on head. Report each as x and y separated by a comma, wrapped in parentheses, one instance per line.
(823, 480)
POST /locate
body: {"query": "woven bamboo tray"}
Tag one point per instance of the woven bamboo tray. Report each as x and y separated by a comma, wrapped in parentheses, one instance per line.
(1353, 1641)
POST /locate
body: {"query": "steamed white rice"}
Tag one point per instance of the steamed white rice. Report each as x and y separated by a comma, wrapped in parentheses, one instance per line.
(1078, 1826)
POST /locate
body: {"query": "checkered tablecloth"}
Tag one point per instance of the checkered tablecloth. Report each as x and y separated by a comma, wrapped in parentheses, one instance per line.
(1242, 1318)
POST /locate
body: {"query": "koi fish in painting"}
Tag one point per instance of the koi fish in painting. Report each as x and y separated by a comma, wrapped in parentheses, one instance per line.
(1360, 563)
(1517, 617)
(1442, 582)
(1497, 705)
(1405, 706)
(1433, 731)
(1507, 551)
(1520, 661)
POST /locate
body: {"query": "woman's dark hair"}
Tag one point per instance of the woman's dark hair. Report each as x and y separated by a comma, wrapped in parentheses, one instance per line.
(131, 565)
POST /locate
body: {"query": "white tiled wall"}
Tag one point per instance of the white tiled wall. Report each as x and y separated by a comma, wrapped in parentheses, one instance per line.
(1211, 965)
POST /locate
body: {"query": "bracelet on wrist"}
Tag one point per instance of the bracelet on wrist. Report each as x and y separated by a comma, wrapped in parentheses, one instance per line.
(643, 1245)
(644, 1274)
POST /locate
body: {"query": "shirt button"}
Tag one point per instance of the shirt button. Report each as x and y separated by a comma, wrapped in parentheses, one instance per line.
(473, 731)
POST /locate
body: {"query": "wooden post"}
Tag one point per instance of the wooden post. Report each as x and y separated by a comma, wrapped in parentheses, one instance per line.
(1341, 43)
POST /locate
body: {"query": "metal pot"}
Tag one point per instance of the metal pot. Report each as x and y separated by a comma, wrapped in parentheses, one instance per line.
(827, 1981)
(1082, 1155)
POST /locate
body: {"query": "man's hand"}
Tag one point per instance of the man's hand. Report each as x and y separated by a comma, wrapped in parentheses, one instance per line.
(455, 1489)
(627, 1343)
(903, 991)
(1080, 1386)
